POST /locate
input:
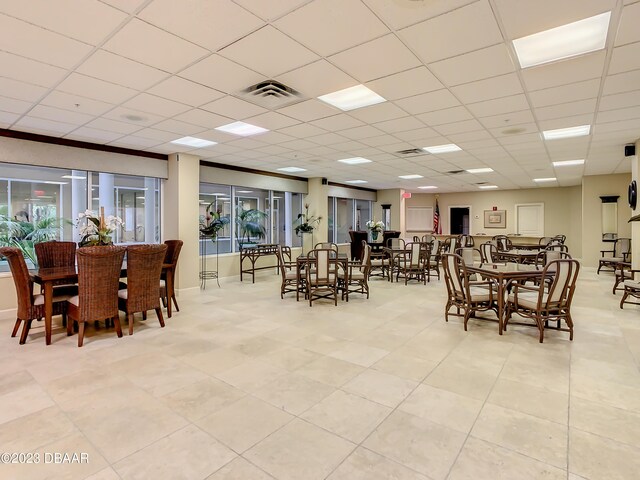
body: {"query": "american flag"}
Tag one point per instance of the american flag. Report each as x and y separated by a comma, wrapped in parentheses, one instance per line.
(437, 228)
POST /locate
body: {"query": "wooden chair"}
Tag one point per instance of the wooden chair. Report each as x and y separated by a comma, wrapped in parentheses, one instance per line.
(98, 280)
(466, 241)
(356, 237)
(433, 258)
(144, 266)
(168, 277)
(412, 263)
(621, 253)
(30, 306)
(322, 277)
(326, 245)
(54, 254)
(289, 274)
(355, 278)
(488, 253)
(464, 294)
(544, 304)
(630, 285)
(503, 243)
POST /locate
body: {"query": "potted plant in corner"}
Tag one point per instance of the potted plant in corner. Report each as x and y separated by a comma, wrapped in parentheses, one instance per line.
(305, 225)
(250, 226)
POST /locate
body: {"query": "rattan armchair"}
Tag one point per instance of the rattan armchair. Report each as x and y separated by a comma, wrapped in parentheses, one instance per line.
(291, 282)
(144, 266)
(168, 277)
(621, 253)
(412, 263)
(54, 254)
(488, 253)
(98, 279)
(464, 294)
(547, 304)
(30, 306)
(322, 276)
(433, 258)
(355, 278)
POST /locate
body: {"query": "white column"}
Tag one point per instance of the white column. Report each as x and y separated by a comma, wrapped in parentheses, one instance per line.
(150, 225)
(317, 198)
(288, 220)
(106, 189)
(79, 186)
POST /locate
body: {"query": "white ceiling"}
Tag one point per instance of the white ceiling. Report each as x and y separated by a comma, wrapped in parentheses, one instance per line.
(140, 73)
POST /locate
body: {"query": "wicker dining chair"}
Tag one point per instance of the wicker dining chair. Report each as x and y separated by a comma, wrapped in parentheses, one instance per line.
(322, 278)
(356, 277)
(621, 253)
(30, 306)
(289, 273)
(171, 259)
(54, 254)
(98, 279)
(433, 259)
(412, 265)
(144, 266)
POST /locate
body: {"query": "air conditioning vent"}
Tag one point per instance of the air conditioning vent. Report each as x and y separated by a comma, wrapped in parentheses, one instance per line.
(455, 172)
(271, 94)
(481, 183)
(412, 151)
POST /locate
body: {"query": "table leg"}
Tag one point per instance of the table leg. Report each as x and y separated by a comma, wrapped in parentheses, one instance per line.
(48, 310)
(500, 305)
(169, 288)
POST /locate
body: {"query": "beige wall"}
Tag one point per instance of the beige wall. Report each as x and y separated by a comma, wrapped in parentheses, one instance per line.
(393, 197)
(562, 212)
(593, 187)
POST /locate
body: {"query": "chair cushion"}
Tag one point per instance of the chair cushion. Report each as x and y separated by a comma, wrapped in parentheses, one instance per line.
(75, 300)
(291, 276)
(378, 262)
(633, 284)
(611, 260)
(528, 299)
(124, 294)
(355, 275)
(479, 294)
(39, 298)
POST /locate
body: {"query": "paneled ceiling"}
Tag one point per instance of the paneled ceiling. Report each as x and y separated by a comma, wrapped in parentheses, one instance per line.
(139, 74)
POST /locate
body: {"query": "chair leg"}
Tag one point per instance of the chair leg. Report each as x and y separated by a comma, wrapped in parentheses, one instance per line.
(130, 321)
(467, 314)
(144, 315)
(70, 322)
(175, 302)
(624, 297)
(116, 321)
(16, 327)
(25, 331)
(80, 333)
(160, 317)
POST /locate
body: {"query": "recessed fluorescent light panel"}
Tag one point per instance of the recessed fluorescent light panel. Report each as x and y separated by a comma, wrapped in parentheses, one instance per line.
(542, 180)
(488, 187)
(352, 98)
(241, 128)
(244, 191)
(451, 147)
(292, 169)
(568, 163)
(566, 41)
(353, 182)
(355, 160)
(74, 177)
(409, 177)
(480, 170)
(193, 142)
(428, 187)
(559, 133)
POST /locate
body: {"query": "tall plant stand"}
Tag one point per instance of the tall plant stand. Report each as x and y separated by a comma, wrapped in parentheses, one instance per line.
(206, 274)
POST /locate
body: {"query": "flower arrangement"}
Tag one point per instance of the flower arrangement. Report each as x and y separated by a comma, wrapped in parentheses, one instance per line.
(97, 230)
(212, 222)
(307, 222)
(375, 228)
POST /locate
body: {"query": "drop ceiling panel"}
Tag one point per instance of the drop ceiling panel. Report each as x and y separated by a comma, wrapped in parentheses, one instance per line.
(203, 118)
(499, 106)
(565, 93)
(272, 9)
(508, 119)
(158, 105)
(566, 109)
(628, 29)
(269, 52)
(364, 61)
(211, 25)
(110, 67)
(625, 58)
(378, 113)
(46, 127)
(485, 63)
(302, 130)
(12, 105)
(221, 74)
(327, 27)
(336, 123)
(66, 116)
(573, 70)
(399, 124)
(440, 38)
(401, 14)
(428, 102)
(21, 90)
(308, 110)
(90, 87)
(75, 103)
(621, 100)
(358, 133)
(185, 91)
(232, 107)
(181, 128)
(406, 84)
(448, 115)
(272, 121)
(114, 126)
(318, 78)
(93, 135)
(128, 115)
(33, 42)
(27, 70)
(496, 87)
(458, 127)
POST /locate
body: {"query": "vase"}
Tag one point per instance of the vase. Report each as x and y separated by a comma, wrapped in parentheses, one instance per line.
(307, 242)
(374, 236)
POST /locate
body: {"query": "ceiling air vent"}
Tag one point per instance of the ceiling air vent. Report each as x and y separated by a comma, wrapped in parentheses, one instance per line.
(271, 94)
(411, 151)
(481, 183)
(454, 172)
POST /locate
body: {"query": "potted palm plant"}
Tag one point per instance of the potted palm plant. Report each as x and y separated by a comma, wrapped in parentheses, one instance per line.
(250, 226)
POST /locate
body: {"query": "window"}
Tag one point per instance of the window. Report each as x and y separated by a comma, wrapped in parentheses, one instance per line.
(251, 215)
(38, 195)
(216, 198)
(347, 214)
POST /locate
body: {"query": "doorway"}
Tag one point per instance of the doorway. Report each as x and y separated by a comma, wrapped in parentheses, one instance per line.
(459, 220)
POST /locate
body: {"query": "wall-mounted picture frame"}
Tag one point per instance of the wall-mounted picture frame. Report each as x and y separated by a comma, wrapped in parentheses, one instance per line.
(495, 219)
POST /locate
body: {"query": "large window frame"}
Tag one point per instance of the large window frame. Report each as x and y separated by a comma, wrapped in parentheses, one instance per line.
(358, 213)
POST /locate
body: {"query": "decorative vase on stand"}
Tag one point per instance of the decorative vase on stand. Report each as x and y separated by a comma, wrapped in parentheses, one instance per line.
(307, 242)
(374, 236)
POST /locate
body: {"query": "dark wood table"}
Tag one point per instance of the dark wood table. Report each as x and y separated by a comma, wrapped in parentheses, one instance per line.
(392, 254)
(518, 255)
(253, 253)
(503, 274)
(48, 276)
(341, 259)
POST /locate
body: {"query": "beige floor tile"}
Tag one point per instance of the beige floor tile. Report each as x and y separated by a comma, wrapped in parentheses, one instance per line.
(362, 355)
(215, 361)
(464, 381)
(300, 451)
(291, 358)
(411, 368)
(330, 370)
(187, 454)
(349, 416)
(29, 432)
(14, 380)
(595, 457)
(417, 443)
(258, 345)
(555, 377)
(530, 399)
(480, 459)
(532, 436)
(606, 421)
(105, 474)
(604, 391)
(24, 400)
(240, 469)
(441, 406)
(321, 343)
(380, 387)
(251, 375)
(294, 393)
(244, 423)
(364, 464)
(203, 398)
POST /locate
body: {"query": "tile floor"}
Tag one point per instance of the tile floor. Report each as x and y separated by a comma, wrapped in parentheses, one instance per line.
(241, 385)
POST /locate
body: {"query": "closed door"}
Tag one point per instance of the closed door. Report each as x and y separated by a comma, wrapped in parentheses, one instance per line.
(530, 219)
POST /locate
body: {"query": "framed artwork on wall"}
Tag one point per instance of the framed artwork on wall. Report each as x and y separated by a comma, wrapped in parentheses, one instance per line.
(495, 219)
